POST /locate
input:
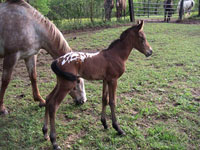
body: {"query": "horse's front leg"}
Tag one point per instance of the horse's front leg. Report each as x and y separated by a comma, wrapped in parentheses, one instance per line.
(8, 64)
(112, 85)
(165, 13)
(31, 67)
(104, 103)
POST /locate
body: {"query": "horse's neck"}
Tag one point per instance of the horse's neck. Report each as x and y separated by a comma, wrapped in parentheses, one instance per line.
(123, 49)
(55, 43)
(52, 39)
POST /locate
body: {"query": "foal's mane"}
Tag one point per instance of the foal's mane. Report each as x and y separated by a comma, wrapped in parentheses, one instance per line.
(54, 34)
(122, 37)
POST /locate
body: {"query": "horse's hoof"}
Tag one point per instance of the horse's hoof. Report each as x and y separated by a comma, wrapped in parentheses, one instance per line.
(42, 104)
(46, 137)
(3, 112)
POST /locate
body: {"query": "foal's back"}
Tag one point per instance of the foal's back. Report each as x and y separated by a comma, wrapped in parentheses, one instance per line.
(18, 30)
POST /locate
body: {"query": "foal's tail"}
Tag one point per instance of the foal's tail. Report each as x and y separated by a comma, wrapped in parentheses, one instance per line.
(13, 1)
(66, 75)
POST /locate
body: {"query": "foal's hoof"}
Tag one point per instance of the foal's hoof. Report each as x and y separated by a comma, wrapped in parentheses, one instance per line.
(121, 133)
(56, 147)
(42, 104)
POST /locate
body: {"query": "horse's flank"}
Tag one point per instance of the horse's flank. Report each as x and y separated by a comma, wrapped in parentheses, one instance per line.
(43, 33)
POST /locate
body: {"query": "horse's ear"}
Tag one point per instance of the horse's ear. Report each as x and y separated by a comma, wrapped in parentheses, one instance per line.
(140, 25)
(138, 21)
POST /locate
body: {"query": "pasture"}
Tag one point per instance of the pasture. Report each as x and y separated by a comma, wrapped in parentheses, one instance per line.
(158, 98)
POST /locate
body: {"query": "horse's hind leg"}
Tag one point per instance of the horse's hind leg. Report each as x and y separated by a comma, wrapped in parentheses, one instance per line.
(8, 64)
(112, 85)
(31, 67)
(104, 103)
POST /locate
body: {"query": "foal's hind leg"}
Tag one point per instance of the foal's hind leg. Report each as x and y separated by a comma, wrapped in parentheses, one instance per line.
(31, 67)
(112, 85)
(46, 118)
(104, 103)
(63, 88)
(8, 64)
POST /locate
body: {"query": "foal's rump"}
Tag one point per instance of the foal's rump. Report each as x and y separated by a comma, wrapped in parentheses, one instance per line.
(66, 75)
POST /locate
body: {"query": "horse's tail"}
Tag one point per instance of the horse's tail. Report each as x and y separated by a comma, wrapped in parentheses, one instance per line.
(66, 75)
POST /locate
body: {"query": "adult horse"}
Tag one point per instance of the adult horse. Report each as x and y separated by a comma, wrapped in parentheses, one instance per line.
(121, 8)
(168, 9)
(23, 32)
(107, 65)
(187, 6)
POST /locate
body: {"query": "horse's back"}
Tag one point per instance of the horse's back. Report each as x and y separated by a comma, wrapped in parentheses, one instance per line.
(18, 30)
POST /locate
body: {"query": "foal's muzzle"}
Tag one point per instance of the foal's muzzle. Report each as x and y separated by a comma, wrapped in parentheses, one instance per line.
(149, 53)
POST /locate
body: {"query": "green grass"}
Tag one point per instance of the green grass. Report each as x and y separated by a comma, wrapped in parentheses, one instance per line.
(158, 98)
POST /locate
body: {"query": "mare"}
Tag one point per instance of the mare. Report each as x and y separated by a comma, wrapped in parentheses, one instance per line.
(23, 32)
(187, 6)
(168, 8)
(121, 6)
(107, 65)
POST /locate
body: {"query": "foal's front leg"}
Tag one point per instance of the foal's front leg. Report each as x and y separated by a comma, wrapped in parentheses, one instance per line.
(112, 85)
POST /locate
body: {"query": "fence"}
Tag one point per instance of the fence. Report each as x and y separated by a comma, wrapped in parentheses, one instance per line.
(151, 9)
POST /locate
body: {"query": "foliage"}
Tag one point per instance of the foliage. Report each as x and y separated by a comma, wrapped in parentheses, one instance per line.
(41, 5)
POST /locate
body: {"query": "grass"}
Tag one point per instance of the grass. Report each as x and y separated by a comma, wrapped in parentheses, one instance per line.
(158, 98)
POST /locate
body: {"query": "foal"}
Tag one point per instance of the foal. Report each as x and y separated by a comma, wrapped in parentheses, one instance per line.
(107, 65)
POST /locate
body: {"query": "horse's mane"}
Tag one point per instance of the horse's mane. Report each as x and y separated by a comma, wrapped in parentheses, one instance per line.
(122, 37)
(55, 35)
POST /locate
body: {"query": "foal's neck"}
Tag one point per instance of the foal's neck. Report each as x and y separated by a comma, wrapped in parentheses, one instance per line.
(123, 48)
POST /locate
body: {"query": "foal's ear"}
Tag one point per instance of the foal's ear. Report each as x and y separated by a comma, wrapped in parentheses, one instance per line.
(140, 25)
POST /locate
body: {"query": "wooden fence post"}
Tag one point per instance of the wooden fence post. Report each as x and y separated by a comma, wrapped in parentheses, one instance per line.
(131, 11)
(181, 11)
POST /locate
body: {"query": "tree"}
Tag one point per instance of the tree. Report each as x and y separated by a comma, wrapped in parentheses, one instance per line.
(41, 5)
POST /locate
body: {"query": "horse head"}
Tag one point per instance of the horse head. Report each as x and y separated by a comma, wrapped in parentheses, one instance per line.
(78, 93)
(141, 44)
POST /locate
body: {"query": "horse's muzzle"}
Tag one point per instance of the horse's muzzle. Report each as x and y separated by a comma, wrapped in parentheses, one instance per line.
(149, 53)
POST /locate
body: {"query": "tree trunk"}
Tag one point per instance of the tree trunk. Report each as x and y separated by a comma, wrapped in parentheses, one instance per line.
(199, 8)
(108, 6)
(91, 11)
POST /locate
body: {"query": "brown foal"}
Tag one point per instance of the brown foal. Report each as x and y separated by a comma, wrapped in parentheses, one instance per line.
(107, 65)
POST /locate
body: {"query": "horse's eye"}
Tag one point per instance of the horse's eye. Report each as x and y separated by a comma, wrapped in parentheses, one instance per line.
(74, 88)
